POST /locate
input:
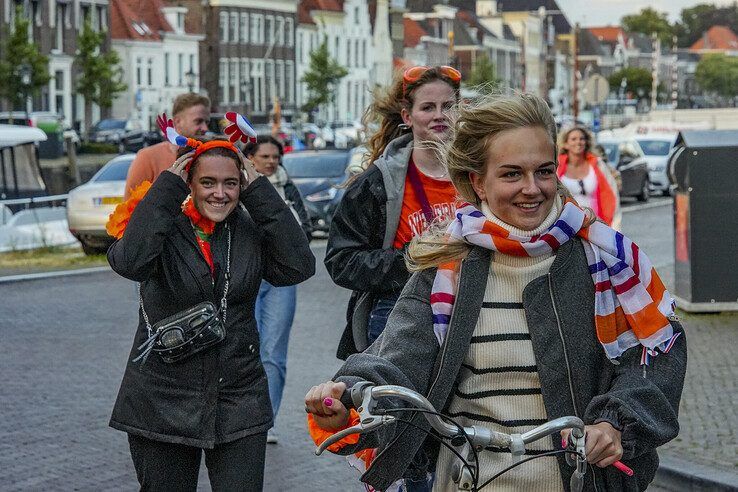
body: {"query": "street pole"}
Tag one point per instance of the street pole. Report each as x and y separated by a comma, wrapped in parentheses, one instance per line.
(575, 100)
(655, 70)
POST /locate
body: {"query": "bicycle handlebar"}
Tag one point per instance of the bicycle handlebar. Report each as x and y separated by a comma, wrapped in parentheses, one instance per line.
(363, 397)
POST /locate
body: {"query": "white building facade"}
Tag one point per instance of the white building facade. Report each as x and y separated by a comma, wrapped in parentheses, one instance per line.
(159, 61)
(348, 34)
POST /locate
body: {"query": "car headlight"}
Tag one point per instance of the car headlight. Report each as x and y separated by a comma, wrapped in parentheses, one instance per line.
(323, 195)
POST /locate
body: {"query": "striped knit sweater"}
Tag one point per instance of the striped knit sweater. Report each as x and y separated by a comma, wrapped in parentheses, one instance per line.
(498, 385)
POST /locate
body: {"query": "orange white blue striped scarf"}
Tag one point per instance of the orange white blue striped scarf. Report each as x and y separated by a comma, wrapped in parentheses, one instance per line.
(632, 306)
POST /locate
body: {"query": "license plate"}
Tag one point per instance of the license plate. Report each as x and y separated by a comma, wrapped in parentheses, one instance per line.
(107, 200)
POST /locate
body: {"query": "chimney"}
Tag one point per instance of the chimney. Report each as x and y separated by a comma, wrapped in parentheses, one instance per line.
(486, 8)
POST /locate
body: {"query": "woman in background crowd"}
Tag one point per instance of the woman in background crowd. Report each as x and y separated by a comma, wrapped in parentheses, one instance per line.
(405, 188)
(275, 306)
(588, 179)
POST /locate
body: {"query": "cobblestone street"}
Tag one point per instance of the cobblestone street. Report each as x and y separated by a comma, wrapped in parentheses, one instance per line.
(65, 341)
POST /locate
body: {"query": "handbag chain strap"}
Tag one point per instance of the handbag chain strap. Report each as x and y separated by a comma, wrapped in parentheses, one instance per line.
(223, 300)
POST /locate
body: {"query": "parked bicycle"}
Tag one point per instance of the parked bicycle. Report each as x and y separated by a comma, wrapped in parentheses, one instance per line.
(464, 442)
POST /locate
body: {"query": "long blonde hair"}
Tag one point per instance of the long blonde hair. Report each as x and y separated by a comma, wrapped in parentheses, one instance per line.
(466, 152)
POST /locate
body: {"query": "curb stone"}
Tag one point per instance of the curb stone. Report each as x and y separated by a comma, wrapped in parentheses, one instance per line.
(679, 474)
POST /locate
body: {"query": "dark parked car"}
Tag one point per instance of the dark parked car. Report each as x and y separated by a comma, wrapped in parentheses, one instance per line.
(126, 135)
(317, 174)
(626, 156)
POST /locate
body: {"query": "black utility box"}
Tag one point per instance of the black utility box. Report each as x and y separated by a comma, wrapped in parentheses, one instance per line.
(704, 168)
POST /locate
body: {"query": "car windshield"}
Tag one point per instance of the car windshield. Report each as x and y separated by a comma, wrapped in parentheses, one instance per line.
(611, 152)
(655, 147)
(111, 125)
(34, 216)
(116, 170)
(329, 165)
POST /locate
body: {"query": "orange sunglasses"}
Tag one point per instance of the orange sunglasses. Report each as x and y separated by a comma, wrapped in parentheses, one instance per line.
(413, 74)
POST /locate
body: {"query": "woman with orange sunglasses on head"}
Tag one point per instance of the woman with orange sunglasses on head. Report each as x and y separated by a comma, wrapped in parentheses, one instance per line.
(404, 188)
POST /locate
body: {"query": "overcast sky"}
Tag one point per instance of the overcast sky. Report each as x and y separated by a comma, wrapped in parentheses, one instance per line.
(604, 12)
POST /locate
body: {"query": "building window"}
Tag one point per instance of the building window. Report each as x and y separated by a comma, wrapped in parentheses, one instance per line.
(166, 70)
(61, 10)
(224, 27)
(257, 84)
(269, 81)
(289, 81)
(348, 53)
(180, 21)
(139, 68)
(223, 80)
(36, 12)
(234, 28)
(337, 50)
(149, 72)
(269, 29)
(234, 81)
(289, 28)
(102, 18)
(280, 31)
(193, 69)
(245, 82)
(363, 53)
(280, 78)
(84, 14)
(356, 16)
(257, 29)
(244, 28)
(180, 69)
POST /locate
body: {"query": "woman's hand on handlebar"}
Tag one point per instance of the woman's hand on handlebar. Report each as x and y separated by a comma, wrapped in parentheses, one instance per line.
(603, 444)
(323, 401)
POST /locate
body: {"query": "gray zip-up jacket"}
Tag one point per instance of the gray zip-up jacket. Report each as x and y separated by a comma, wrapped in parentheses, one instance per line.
(576, 376)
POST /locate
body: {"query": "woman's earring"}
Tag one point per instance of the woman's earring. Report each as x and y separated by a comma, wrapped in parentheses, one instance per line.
(403, 126)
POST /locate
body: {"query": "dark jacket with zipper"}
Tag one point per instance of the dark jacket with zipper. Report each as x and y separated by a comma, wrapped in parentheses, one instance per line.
(359, 255)
(576, 376)
(218, 395)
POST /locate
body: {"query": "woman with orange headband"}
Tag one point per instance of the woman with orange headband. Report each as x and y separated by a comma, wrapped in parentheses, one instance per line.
(209, 229)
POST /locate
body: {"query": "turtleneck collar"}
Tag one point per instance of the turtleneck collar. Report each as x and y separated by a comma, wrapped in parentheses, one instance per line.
(547, 222)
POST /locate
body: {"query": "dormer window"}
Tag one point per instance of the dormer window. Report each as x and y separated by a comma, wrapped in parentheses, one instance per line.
(137, 27)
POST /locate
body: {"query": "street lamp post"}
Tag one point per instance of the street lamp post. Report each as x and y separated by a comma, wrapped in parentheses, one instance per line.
(190, 80)
(25, 73)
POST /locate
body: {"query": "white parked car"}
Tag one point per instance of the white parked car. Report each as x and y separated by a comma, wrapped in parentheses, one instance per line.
(656, 148)
(35, 228)
(90, 205)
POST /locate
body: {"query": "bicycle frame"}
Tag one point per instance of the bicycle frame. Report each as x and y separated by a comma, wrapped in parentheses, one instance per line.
(364, 397)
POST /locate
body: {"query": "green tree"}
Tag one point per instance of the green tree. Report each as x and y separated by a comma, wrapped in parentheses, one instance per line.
(695, 21)
(483, 76)
(18, 53)
(99, 78)
(322, 78)
(636, 80)
(648, 21)
(718, 73)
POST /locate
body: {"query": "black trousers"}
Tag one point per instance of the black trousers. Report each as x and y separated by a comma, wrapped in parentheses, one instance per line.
(233, 466)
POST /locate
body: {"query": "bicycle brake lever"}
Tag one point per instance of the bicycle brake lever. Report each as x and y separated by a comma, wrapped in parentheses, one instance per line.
(366, 425)
(576, 483)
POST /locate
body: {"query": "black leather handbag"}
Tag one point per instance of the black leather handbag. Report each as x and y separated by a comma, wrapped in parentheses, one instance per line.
(187, 332)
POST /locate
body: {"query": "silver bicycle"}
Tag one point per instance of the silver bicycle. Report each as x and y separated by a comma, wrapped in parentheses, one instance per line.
(464, 442)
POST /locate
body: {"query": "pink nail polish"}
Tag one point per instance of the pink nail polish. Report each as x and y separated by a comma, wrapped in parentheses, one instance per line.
(328, 402)
(563, 442)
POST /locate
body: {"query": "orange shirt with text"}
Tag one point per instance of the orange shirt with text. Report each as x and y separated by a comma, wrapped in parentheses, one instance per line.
(441, 198)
